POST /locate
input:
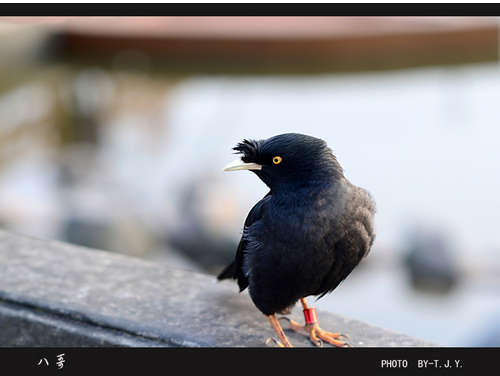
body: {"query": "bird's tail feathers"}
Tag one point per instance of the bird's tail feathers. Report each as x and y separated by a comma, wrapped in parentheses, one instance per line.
(228, 272)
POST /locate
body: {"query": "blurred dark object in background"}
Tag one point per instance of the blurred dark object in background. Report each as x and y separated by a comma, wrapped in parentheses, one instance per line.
(202, 247)
(195, 236)
(81, 231)
(270, 44)
(430, 261)
(286, 44)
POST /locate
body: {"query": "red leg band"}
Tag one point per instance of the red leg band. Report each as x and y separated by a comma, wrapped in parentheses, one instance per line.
(310, 316)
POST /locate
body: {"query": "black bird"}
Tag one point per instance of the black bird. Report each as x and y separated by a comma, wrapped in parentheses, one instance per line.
(305, 236)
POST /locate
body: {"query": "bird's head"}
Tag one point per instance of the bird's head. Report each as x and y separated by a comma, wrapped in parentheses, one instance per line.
(287, 159)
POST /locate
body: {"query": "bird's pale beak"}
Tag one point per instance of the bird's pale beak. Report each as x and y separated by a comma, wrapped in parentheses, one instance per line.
(240, 165)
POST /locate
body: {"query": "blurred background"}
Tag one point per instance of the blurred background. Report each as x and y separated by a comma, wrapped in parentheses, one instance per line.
(114, 132)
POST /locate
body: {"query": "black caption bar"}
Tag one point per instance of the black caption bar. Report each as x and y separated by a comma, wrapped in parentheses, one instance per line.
(248, 9)
(377, 361)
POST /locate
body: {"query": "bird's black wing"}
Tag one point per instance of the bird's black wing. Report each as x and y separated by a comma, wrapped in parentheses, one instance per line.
(358, 236)
(235, 269)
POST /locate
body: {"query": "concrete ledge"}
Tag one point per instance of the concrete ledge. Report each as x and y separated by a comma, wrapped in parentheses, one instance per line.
(55, 294)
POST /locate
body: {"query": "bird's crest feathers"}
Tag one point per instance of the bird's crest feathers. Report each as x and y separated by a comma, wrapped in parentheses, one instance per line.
(248, 148)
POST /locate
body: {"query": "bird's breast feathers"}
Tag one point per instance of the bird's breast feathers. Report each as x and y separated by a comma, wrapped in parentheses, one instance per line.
(317, 220)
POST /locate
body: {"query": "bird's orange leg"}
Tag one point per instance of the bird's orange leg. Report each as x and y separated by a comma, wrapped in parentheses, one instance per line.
(316, 334)
(277, 328)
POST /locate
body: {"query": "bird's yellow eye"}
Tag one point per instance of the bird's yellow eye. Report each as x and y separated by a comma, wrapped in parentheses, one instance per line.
(277, 159)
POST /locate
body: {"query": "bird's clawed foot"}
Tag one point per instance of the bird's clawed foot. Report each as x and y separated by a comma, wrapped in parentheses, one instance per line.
(318, 335)
(283, 342)
(275, 341)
